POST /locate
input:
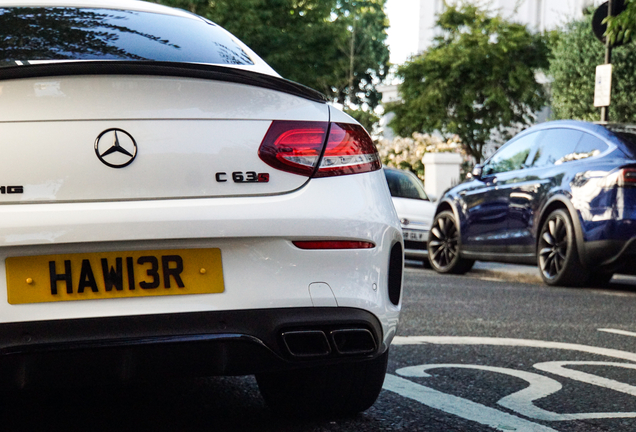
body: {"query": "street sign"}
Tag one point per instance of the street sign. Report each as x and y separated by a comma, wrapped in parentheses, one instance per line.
(603, 87)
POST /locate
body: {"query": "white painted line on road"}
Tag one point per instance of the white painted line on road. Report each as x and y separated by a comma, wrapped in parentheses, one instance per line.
(520, 401)
(556, 367)
(540, 387)
(620, 332)
(530, 343)
(461, 407)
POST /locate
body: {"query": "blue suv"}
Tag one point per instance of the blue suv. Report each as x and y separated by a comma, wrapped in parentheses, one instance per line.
(561, 195)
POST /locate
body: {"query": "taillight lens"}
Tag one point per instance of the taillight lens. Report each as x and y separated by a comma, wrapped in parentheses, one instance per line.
(627, 177)
(296, 147)
(350, 150)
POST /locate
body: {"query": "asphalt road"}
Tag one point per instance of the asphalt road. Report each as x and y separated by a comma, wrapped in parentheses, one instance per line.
(473, 354)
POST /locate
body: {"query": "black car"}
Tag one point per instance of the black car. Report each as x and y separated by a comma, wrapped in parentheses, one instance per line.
(561, 195)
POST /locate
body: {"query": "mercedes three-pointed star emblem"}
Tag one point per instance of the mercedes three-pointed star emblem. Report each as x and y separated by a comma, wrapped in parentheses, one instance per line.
(115, 148)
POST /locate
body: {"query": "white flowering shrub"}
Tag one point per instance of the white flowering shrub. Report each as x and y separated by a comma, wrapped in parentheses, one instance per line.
(407, 153)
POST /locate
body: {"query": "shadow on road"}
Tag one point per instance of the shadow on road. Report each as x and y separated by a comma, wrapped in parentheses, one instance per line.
(206, 404)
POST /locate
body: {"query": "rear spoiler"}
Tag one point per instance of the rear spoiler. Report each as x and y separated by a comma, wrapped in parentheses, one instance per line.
(156, 68)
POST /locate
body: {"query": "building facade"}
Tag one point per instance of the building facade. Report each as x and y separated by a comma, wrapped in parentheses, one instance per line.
(538, 15)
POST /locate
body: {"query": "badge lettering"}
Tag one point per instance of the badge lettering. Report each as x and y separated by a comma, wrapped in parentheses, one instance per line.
(243, 177)
(11, 189)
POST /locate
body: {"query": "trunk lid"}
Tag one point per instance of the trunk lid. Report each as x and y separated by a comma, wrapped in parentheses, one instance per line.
(73, 138)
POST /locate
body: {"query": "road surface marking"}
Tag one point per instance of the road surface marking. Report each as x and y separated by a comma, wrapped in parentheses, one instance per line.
(556, 367)
(529, 343)
(461, 407)
(521, 401)
(620, 332)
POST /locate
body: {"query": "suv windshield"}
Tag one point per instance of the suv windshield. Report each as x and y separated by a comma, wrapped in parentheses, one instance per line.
(29, 34)
(403, 184)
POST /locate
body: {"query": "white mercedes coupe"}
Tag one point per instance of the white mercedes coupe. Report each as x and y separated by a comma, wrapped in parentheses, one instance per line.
(170, 205)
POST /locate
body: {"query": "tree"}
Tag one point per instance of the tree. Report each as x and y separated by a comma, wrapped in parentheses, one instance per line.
(366, 118)
(477, 78)
(335, 46)
(575, 55)
(623, 26)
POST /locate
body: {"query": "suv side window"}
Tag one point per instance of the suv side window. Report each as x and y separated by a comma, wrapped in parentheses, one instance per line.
(588, 146)
(512, 156)
(556, 147)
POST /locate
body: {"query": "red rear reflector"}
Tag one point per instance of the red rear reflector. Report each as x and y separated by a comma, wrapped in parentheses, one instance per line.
(296, 147)
(333, 244)
(350, 150)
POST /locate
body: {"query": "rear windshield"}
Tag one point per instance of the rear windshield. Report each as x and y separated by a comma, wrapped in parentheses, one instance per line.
(31, 34)
(404, 185)
(629, 138)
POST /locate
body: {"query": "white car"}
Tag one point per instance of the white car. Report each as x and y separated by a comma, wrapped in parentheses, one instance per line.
(170, 205)
(415, 210)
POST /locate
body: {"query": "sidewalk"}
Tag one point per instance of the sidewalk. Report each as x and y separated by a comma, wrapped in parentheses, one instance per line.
(524, 273)
(517, 273)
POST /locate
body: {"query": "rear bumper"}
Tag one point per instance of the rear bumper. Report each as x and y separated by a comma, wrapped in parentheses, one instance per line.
(613, 255)
(188, 344)
(610, 239)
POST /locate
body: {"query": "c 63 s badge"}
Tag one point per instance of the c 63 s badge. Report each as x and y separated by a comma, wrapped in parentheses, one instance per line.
(11, 190)
(243, 177)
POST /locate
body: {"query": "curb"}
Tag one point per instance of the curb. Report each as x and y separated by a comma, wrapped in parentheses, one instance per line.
(512, 276)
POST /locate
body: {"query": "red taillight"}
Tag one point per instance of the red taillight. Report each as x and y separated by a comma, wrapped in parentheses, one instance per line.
(293, 146)
(627, 177)
(350, 150)
(329, 244)
(296, 147)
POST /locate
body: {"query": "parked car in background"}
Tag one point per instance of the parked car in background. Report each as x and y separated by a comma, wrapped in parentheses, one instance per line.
(414, 209)
(170, 205)
(561, 195)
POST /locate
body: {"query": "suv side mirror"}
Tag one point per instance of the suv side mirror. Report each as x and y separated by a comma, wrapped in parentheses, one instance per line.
(477, 172)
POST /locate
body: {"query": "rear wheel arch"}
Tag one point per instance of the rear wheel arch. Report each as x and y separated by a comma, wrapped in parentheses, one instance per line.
(561, 202)
(448, 206)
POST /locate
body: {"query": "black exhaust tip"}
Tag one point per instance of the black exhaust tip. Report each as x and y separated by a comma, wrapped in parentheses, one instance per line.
(306, 343)
(353, 341)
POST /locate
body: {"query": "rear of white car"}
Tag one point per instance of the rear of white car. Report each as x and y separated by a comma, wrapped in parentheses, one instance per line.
(414, 209)
(166, 214)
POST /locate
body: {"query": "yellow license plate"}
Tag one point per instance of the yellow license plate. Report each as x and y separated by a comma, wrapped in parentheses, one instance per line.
(105, 275)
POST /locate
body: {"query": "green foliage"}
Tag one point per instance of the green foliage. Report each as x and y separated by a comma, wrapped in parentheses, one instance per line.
(366, 118)
(478, 77)
(623, 26)
(335, 46)
(576, 54)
